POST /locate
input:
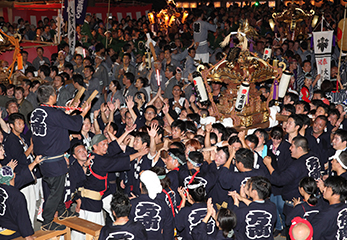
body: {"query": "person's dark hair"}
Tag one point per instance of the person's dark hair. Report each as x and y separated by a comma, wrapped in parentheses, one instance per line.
(62, 79)
(172, 69)
(289, 108)
(45, 69)
(160, 121)
(277, 133)
(253, 139)
(144, 81)
(322, 117)
(120, 204)
(3, 88)
(44, 92)
(65, 76)
(78, 55)
(221, 129)
(99, 46)
(19, 89)
(144, 137)
(91, 68)
(320, 92)
(324, 106)
(342, 134)
(335, 112)
(225, 150)
(190, 127)
(11, 101)
(126, 47)
(194, 117)
(306, 105)
(130, 76)
(26, 81)
(178, 145)
(54, 69)
(14, 116)
(179, 124)
(263, 133)
(306, 121)
(199, 193)
(297, 120)
(34, 83)
(160, 171)
(302, 142)
(113, 125)
(196, 157)
(338, 186)
(77, 144)
(246, 157)
(69, 66)
(77, 78)
(179, 153)
(227, 220)
(262, 185)
(293, 97)
(343, 157)
(213, 136)
(309, 185)
(116, 84)
(153, 107)
(234, 139)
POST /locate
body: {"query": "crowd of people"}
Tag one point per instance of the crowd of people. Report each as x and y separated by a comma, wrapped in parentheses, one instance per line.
(146, 159)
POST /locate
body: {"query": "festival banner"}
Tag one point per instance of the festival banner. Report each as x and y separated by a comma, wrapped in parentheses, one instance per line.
(71, 25)
(80, 10)
(322, 42)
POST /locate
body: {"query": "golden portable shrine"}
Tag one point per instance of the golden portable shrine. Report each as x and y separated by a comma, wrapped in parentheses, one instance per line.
(240, 70)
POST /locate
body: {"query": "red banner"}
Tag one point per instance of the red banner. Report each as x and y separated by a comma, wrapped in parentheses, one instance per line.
(34, 13)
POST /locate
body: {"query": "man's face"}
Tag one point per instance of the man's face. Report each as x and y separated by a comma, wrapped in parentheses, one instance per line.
(138, 144)
(18, 95)
(18, 126)
(294, 151)
(332, 119)
(25, 57)
(327, 193)
(192, 53)
(250, 145)
(149, 114)
(57, 83)
(221, 158)
(168, 74)
(290, 127)
(216, 86)
(299, 109)
(176, 91)
(318, 126)
(101, 147)
(125, 81)
(78, 60)
(337, 143)
(12, 108)
(176, 132)
(129, 120)
(39, 52)
(87, 72)
(167, 54)
(126, 60)
(286, 100)
(320, 111)
(307, 67)
(80, 153)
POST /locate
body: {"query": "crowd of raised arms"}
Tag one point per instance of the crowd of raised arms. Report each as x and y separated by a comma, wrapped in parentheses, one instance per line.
(146, 159)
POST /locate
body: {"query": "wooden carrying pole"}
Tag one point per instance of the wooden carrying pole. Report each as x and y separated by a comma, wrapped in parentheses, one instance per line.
(153, 51)
(78, 96)
(91, 97)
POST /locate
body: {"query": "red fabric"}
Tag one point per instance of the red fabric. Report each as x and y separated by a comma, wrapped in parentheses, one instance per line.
(48, 51)
(38, 12)
(305, 94)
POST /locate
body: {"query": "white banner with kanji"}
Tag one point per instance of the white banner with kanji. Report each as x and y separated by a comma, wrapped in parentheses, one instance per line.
(322, 42)
(323, 68)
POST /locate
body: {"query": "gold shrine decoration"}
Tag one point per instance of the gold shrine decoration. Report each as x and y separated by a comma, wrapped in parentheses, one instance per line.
(17, 56)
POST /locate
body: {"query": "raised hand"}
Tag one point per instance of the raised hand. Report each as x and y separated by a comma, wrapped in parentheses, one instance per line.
(154, 129)
(130, 102)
